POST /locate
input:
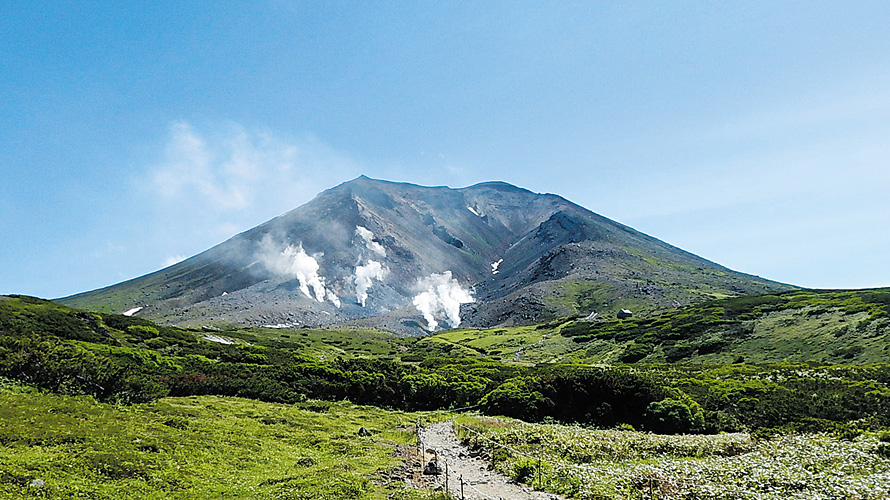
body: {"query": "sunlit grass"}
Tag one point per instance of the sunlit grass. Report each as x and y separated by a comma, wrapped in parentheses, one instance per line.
(615, 464)
(199, 447)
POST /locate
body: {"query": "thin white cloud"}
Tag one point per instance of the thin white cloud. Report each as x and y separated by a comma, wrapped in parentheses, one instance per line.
(228, 172)
(211, 182)
(173, 259)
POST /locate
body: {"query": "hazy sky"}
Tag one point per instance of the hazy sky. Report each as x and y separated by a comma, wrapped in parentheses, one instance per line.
(133, 134)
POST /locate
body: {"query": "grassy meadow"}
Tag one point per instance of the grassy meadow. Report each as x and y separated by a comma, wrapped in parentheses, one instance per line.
(767, 397)
(590, 464)
(66, 447)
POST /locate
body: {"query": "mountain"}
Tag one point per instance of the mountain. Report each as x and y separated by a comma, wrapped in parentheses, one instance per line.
(408, 258)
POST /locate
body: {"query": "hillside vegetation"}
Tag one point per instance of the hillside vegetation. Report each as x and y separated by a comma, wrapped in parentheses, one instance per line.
(110, 406)
(207, 447)
(131, 360)
(801, 326)
(593, 464)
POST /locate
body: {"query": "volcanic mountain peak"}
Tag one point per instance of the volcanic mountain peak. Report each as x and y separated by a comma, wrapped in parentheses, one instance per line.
(402, 257)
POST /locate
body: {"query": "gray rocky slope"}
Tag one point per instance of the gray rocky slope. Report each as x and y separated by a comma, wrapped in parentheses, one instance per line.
(409, 258)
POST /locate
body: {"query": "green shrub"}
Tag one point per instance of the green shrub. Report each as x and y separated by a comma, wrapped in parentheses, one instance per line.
(518, 398)
(635, 352)
(670, 415)
(524, 469)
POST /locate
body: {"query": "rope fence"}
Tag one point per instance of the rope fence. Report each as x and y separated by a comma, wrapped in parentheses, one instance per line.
(646, 485)
(463, 484)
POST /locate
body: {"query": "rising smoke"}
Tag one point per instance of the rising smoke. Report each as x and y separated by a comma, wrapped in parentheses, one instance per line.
(333, 298)
(364, 277)
(293, 261)
(440, 299)
(372, 269)
(368, 237)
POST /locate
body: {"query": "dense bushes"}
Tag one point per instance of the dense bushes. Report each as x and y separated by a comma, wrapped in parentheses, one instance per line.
(130, 360)
(713, 326)
(584, 394)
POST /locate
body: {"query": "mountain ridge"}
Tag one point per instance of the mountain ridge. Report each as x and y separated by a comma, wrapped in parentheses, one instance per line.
(366, 251)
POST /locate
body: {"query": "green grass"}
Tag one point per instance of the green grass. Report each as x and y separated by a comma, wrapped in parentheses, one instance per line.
(322, 344)
(199, 447)
(618, 464)
(822, 326)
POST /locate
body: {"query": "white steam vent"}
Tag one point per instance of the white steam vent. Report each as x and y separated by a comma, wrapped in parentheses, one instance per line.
(365, 274)
(364, 278)
(305, 268)
(440, 299)
(368, 237)
(333, 298)
(294, 261)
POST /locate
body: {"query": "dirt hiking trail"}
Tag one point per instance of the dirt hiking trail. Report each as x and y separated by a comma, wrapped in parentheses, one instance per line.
(479, 482)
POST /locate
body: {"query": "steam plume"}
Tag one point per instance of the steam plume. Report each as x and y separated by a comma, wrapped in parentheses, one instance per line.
(294, 261)
(305, 268)
(368, 237)
(364, 277)
(333, 298)
(440, 299)
(367, 273)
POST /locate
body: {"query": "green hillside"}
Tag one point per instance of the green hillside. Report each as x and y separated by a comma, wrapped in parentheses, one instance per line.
(129, 360)
(109, 406)
(801, 326)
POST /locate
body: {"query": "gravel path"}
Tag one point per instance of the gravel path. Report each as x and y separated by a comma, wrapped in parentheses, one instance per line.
(479, 482)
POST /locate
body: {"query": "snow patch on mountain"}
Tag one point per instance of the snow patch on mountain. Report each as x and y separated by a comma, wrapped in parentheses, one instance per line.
(218, 339)
(130, 312)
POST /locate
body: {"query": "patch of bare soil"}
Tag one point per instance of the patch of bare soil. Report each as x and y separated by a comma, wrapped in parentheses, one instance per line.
(410, 472)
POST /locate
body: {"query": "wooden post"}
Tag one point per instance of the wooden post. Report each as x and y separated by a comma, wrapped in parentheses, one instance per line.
(446, 479)
(417, 431)
(462, 488)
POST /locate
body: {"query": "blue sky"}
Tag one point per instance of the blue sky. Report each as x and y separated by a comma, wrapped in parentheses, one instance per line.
(133, 134)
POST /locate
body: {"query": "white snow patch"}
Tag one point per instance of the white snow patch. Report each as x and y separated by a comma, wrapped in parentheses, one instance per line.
(471, 209)
(218, 339)
(130, 312)
(280, 326)
(440, 299)
(494, 266)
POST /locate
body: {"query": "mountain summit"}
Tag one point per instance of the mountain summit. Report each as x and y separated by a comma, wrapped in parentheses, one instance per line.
(409, 258)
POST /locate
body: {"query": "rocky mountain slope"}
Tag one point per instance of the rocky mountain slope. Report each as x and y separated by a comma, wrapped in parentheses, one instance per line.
(409, 258)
